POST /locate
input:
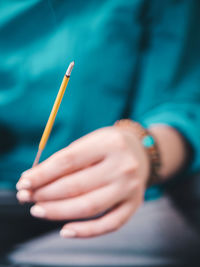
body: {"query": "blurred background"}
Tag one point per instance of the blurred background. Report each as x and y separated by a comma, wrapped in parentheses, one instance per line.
(135, 59)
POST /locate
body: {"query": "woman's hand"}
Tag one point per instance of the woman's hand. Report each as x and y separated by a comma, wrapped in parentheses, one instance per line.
(106, 170)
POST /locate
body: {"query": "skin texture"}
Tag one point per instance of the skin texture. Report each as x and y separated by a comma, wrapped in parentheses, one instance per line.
(106, 170)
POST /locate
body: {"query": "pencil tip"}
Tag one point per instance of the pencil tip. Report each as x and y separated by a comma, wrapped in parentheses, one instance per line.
(69, 70)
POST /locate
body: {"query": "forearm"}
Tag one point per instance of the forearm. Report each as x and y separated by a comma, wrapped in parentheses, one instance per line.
(173, 150)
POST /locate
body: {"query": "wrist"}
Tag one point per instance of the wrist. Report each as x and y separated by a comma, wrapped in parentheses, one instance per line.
(148, 147)
(173, 149)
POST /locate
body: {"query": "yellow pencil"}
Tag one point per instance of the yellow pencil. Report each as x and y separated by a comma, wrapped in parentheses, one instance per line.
(53, 114)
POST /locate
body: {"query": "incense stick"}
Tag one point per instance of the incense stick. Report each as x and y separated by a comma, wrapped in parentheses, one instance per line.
(53, 114)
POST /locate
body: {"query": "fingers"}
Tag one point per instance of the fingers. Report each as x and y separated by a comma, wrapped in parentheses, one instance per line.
(24, 196)
(108, 223)
(85, 206)
(66, 161)
(76, 184)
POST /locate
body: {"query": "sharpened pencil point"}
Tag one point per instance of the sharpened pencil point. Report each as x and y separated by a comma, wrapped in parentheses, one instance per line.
(69, 70)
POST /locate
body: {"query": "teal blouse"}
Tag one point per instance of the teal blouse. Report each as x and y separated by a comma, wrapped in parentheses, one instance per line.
(133, 58)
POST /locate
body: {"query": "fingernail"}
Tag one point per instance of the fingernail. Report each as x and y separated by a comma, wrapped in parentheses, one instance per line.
(23, 184)
(67, 233)
(24, 196)
(37, 211)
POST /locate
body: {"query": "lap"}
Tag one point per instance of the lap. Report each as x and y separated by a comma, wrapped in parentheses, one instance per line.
(162, 232)
(157, 235)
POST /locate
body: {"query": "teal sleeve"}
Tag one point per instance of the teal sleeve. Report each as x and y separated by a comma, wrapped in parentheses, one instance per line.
(171, 72)
(185, 117)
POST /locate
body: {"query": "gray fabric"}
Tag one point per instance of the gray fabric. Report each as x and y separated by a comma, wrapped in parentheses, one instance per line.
(157, 235)
(162, 232)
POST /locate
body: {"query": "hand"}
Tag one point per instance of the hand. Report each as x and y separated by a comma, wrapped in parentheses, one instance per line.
(106, 170)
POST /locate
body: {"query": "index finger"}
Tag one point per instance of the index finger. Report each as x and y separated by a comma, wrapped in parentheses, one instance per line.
(80, 154)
